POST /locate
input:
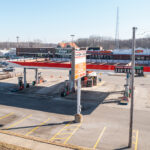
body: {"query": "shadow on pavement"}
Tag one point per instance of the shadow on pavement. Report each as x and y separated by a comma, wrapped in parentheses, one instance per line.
(23, 99)
(123, 148)
(50, 124)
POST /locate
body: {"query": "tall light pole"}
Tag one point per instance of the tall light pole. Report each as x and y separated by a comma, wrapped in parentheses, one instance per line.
(17, 41)
(117, 30)
(72, 36)
(132, 88)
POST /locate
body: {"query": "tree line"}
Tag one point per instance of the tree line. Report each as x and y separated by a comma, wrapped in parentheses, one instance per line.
(8, 45)
(93, 41)
(109, 43)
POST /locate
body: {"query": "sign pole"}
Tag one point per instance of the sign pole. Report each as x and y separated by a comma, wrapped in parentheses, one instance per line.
(79, 96)
(132, 89)
(78, 116)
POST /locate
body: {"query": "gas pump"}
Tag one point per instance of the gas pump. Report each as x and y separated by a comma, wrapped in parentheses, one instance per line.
(20, 83)
(40, 78)
(127, 85)
(124, 99)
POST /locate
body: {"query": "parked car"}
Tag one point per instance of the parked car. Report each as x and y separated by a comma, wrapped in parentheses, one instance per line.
(3, 64)
(8, 69)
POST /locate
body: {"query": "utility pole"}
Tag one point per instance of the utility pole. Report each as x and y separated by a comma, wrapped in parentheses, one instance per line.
(132, 89)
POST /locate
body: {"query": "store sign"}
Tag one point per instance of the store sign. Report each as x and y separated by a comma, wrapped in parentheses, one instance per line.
(106, 52)
(126, 69)
(78, 64)
(138, 51)
(122, 69)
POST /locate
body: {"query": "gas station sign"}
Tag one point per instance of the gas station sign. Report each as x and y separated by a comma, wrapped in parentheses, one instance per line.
(78, 64)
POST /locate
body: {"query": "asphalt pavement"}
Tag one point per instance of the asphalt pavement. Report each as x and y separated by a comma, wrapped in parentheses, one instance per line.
(52, 119)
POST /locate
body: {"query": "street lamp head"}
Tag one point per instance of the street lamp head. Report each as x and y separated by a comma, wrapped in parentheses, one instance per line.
(134, 28)
(72, 35)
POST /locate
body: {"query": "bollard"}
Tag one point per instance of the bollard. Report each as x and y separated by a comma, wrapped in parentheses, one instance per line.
(78, 118)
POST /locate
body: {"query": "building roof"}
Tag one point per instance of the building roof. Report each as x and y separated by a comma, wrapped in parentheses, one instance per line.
(66, 45)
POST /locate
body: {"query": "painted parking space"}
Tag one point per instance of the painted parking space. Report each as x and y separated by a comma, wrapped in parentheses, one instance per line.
(38, 126)
(18, 122)
(7, 115)
(7, 118)
(26, 124)
(135, 139)
(89, 135)
(69, 132)
(63, 135)
(66, 132)
(99, 138)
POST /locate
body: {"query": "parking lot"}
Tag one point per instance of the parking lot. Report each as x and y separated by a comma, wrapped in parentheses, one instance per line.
(50, 118)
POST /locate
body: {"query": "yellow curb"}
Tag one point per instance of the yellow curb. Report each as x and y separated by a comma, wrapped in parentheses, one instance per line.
(44, 141)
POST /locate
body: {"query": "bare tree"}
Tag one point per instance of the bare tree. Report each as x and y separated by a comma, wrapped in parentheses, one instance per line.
(109, 43)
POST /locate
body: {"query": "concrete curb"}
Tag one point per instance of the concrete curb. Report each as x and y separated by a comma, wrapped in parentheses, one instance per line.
(44, 141)
(117, 74)
(11, 147)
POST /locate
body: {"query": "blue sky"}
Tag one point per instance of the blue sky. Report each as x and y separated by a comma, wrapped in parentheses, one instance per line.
(55, 20)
